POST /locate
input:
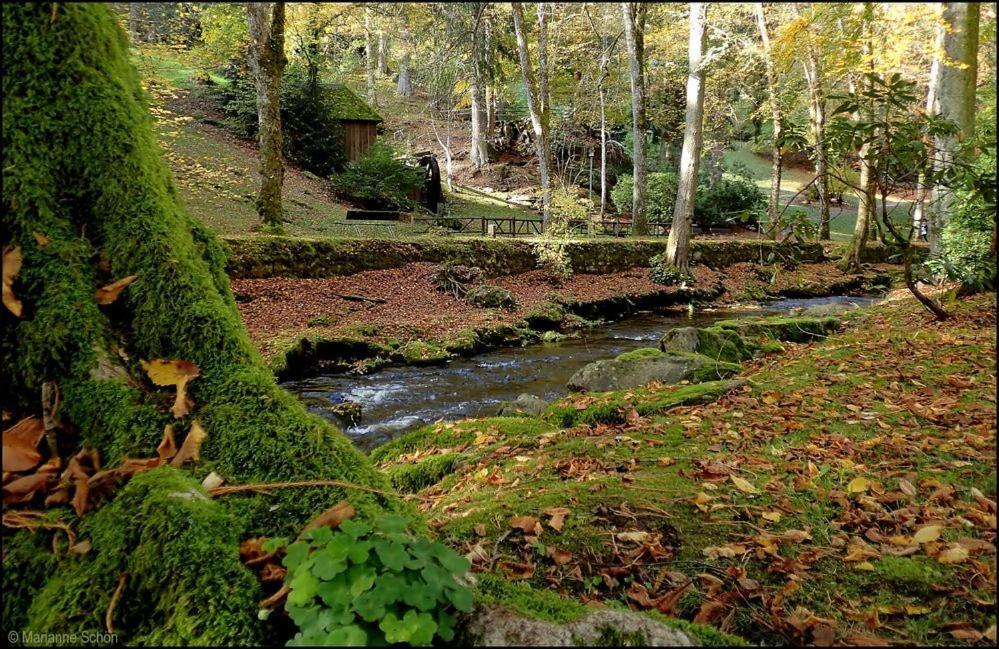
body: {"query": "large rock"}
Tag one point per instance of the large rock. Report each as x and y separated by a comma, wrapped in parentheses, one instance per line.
(525, 404)
(713, 342)
(502, 628)
(632, 372)
(790, 329)
(827, 309)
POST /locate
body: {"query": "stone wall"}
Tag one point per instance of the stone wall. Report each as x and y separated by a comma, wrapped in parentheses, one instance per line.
(257, 257)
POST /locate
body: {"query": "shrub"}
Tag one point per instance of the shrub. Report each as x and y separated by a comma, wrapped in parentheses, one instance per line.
(313, 139)
(660, 195)
(378, 179)
(553, 258)
(667, 274)
(569, 206)
(364, 585)
(726, 201)
(455, 278)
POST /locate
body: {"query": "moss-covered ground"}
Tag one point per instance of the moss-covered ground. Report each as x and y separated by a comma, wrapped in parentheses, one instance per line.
(845, 492)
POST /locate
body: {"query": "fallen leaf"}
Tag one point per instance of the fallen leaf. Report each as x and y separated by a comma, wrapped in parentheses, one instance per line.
(20, 444)
(332, 517)
(24, 488)
(558, 515)
(173, 372)
(212, 480)
(743, 485)
(773, 517)
(927, 534)
(560, 557)
(858, 486)
(40, 239)
(108, 294)
(191, 447)
(527, 524)
(907, 487)
(81, 548)
(634, 537)
(956, 553)
(518, 570)
(168, 445)
(11, 267)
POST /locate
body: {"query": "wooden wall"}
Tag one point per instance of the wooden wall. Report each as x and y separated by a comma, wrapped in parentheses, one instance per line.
(358, 138)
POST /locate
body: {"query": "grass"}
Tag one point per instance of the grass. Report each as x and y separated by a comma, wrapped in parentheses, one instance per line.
(892, 398)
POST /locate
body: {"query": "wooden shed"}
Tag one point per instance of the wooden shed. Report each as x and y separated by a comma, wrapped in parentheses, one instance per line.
(359, 120)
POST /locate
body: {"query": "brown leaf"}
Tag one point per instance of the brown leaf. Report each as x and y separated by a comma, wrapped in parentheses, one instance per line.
(20, 444)
(81, 548)
(518, 570)
(907, 487)
(558, 515)
(108, 294)
(191, 447)
(667, 603)
(168, 445)
(173, 372)
(743, 485)
(11, 267)
(40, 239)
(710, 610)
(332, 517)
(528, 524)
(956, 553)
(560, 557)
(24, 488)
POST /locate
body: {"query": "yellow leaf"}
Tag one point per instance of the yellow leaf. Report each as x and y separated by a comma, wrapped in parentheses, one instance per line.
(191, 447)
(174, 372)
(858, 486)
(108, 294)
(635, 537)
(956, 553)
(864, 565)
(743, 485)
(41, 239)
(927, 534)
(916, 610)
(773, 517)
(11, 267)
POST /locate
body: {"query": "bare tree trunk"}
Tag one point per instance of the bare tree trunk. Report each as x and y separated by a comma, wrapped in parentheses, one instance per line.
(677, 248)
(133, 22)
(369, 57)
(777, 152)
(543, 93)
(817, 128)
(634, 30)
(267, 61)
(479, 152)
(956, 101)
(865, 191)
(603, 152)
(490, 93)
(383, 52)
(404, 85)
(920, 214)
(539, 115)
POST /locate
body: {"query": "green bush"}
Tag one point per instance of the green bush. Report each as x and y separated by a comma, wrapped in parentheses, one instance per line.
(313, 139)
(667, 274)
(379, 180)
(660, 195)
(364, 585)
(728, 201)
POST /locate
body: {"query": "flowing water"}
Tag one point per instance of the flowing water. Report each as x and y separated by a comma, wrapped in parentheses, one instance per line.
(399, 399)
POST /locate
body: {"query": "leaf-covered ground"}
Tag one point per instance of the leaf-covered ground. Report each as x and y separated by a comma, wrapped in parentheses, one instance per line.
(844, 494)
(280, 308)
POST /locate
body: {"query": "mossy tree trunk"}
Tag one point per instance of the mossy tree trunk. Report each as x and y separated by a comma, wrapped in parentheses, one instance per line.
(267, 61)
(82, 167)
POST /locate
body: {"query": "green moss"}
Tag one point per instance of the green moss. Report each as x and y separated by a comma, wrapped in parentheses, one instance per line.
(613, 407)
(643, 352)
(27, 562)
(916, 575)
(451, 434)
(180, 552)
(786, 329)
(417, 352)
(706, 636)
(496, 590)
(410, 478)
(463, 343)
(546, 316)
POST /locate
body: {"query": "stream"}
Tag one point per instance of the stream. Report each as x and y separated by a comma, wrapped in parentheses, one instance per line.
(399, 399)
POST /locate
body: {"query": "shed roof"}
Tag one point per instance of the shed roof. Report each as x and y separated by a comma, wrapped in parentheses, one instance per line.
(346, 106)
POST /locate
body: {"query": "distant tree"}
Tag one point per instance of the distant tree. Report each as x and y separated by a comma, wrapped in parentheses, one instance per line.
(267, 61)
(537, 99)
(677, 247)
(776, 139)
(634, 14)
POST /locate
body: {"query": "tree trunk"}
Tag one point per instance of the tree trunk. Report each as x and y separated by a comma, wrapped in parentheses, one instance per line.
(817, 130)
(134, 21)
(267, 61)
(603, 152)
(105, 201)
(634, 30)
(369, 57)
(383, 53)
(777, 152)
(404, 85)
(865, 190)
(544, 95)
(479, 153)
(677, 247)
(920, 214)
(955, 101)
(539, 116)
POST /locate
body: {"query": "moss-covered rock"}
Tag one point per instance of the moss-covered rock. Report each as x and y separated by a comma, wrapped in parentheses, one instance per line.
(417, 352)
(524, 404)
(641, 352)
(410, 478)
(644, 367)
(785, 329)
(487, 296)
(464, 343)
(546, 316)
(713, 342)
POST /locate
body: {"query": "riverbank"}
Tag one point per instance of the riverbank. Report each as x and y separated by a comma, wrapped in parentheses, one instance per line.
(397, 316)
(777, 511)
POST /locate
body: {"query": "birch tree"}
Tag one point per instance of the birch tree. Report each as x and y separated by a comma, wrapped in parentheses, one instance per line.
(865, 188)
(479, 152)
(678, 245)
(369, 56)
(267, 61)
(634, 14)
(955, 99)
(537, 105)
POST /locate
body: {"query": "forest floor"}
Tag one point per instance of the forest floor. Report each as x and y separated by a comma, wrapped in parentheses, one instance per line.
(845, 493)
(280, 309)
